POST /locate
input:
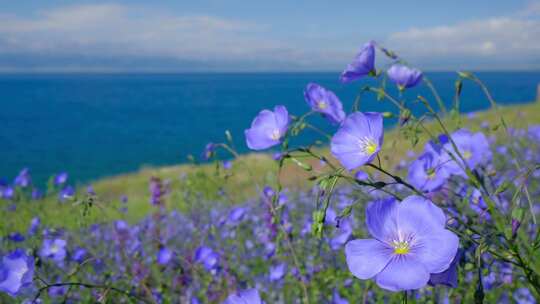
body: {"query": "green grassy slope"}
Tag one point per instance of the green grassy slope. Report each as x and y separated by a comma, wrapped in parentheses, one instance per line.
(191, 184)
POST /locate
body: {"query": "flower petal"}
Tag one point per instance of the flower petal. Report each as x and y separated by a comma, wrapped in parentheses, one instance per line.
(258, 139)
(419, 216)
(436, 250)
(281, 117)
(375, 124)
(367, 257)
(381, 218)
(403, 273)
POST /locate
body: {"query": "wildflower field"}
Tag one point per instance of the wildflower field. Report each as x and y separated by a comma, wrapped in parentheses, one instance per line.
(442, 207)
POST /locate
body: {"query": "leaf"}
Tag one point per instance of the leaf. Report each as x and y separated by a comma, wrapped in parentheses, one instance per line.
(503, 187)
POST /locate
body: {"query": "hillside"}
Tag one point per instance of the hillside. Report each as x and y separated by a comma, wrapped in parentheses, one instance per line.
(190, 183)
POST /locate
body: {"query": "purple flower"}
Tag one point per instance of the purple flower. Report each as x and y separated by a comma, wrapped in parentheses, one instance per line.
(473, 147)
(207, 257)
(227, 164)
(36, 194)
(410, 243)
(268, 192)
(60, 178)
(342, 235)
(325, 102)
(268, 128)
(23, 180)
(403, 76)
(16, 237)
(277, 272)
(358, 140)
(156, 191)
(7, 193)
(164, 256)
(534, 132)
(236, 215)
(523, 296)
(362, 65)
(79, 255)
(478, 205)
(515, 226)
(208, 151)
(428, 172)
(54, 250)
(90, 190)
(361, 175)
(277, 156)
(34, 225)
(337, 299)
(57, 291)
(16, 272)
(250, 296)
(121, 226)
(66, 193)
(282, 199)
(449, 277)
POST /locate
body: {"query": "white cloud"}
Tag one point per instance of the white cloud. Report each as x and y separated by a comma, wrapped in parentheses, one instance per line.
(501, 40)
(117, 29)
(96, 36)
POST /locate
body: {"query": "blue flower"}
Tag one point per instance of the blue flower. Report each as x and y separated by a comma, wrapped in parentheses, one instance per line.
(208, 151)
(358, 140)
(227, 164)
(7, 192)
(60, 178)
(409, 243)
(337, 299)
(449, 277)
(278, 271)
(325, 102)
(207, 257)
(164, 256)
(268, 128)
(473, 147)
(250, 296)
(23, 179)
(403, 76)
(34, 225)
(79, 255)
(66, 193)
(16, 237)
(54, 250)
(523, 296)
(362, 65)
(16, 272)
(428, 172)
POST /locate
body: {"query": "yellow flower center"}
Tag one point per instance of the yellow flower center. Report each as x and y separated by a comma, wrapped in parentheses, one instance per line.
(276, 135)
(467, 154)
(367, 146)
(401, 247)
(430, 173)
(322, 104)
(54, 249)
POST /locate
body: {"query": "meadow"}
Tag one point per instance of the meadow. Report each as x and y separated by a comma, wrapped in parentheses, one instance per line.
(440, 208)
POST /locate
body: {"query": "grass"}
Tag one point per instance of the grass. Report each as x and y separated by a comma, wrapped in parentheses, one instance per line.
(191, 183)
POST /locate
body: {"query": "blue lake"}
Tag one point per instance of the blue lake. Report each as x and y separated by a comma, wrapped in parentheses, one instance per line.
(99, 125)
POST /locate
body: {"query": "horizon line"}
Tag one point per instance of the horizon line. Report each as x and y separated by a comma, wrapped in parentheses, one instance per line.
(125, 72)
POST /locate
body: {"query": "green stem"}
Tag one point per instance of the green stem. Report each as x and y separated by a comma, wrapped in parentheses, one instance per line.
(404, 299)
(396, 178)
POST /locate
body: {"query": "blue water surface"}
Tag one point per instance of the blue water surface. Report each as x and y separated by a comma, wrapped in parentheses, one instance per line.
(100, 124)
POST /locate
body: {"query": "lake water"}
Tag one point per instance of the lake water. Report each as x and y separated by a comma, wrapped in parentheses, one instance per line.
(100, 125)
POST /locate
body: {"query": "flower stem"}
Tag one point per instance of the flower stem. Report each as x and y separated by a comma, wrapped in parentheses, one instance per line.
(404, 299)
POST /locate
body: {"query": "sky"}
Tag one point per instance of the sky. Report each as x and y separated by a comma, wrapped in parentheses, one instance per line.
(279, 35)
